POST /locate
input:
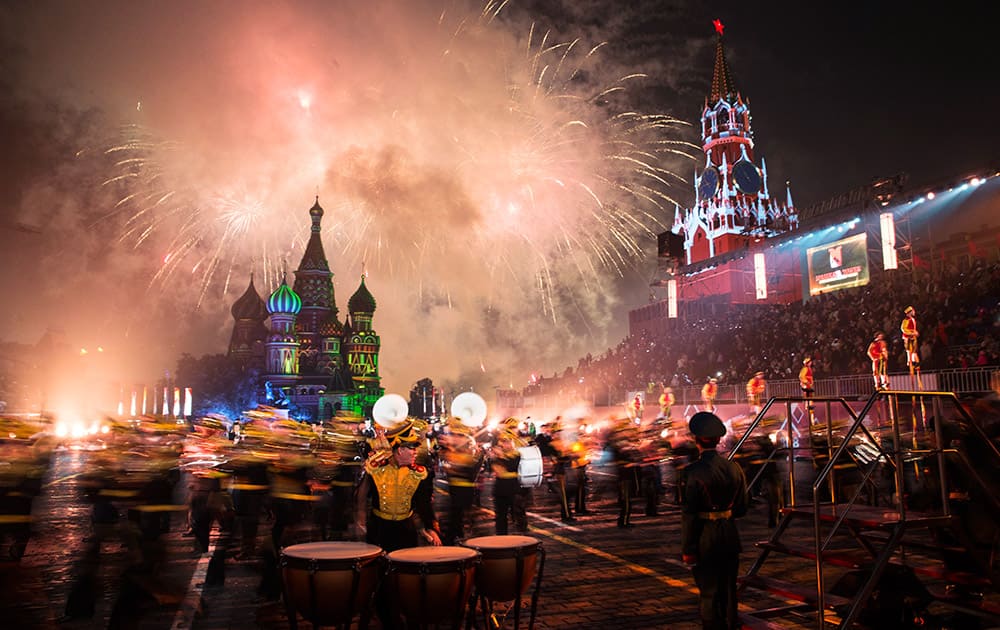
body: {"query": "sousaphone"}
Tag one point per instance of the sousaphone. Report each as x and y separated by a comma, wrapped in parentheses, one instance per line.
(469, 408)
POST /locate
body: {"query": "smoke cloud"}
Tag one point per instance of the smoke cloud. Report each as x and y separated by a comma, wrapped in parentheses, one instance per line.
(491, 179)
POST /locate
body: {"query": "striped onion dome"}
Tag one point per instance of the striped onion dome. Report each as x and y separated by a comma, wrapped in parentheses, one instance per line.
(284, 300)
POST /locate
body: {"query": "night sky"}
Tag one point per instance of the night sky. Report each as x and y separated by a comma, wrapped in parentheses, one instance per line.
(479, 212)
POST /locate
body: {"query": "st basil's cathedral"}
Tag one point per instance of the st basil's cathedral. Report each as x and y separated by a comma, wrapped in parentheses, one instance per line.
(309, 361)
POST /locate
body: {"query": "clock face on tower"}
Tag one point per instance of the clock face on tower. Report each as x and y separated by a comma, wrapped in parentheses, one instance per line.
(708, 185)
(747, 177)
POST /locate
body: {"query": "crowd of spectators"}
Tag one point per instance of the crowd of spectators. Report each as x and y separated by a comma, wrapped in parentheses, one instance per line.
(957, 315)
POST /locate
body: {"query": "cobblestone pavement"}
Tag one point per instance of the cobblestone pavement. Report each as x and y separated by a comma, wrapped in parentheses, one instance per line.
(596, 575)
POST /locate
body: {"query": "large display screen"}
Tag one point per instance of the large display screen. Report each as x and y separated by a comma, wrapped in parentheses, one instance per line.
(838, 265)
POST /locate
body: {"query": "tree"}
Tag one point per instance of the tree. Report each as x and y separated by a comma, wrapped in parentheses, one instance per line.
(219, 384)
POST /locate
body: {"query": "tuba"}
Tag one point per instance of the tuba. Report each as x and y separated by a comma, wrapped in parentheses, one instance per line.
(388, 412)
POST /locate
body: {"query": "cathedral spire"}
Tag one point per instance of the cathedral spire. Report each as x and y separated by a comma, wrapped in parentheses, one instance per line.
(722, 80)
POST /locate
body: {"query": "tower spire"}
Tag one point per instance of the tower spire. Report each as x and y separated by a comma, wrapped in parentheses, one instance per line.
(722, 80)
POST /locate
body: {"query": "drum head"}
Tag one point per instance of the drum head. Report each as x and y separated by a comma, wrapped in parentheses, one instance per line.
(431, 555)
(501, 542)
(332, 551)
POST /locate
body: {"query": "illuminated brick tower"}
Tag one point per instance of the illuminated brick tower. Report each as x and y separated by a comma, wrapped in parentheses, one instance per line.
(732, 201)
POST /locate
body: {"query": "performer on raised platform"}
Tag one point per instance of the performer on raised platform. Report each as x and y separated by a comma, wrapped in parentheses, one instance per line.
(756, 387)
(708, 394)
(667, 400)
(878, 352)
(910, 340)
(806, 384)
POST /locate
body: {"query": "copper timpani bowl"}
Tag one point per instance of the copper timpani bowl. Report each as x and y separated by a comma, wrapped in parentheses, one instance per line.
(329, 582)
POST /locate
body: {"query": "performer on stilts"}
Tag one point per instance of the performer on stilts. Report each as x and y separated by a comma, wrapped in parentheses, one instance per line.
(806, 383)
(910, 334)
(878, 352)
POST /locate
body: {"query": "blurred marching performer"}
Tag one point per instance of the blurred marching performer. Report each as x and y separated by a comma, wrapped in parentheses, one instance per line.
(551, 445)
(806, 385)
(910, 338)
(340, 452)
(636, 408)
(756, 387)
(667, 400)
(622, 447)
(461, 461)
(878, 352)
(708, 393)
(249, 488)
(579, 460)
(508, 497)
(652, 450)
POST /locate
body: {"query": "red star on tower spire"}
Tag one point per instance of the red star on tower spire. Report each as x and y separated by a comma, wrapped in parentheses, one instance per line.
(718, 26)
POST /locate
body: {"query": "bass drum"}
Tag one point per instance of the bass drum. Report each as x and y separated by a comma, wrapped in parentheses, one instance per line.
(530, 471)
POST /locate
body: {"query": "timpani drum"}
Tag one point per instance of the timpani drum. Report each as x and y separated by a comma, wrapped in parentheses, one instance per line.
(432, 584)
(509, 564)
(530, 471)
(329, 582)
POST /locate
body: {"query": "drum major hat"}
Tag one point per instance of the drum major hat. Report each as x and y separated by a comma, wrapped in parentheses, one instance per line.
(807, 361)
(759, 374)
(405, 434)
(706, 424)
(909, 310)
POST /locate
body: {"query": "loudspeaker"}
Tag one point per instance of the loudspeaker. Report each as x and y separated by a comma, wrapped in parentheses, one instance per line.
(669, 245)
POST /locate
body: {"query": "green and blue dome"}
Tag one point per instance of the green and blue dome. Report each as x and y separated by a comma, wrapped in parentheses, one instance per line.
(284, 300)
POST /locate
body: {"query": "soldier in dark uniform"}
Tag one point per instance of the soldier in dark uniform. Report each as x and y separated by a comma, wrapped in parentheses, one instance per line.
(715, 494)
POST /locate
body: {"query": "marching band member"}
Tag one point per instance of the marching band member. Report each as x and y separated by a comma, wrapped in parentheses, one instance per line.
(878, 352)
(756, 387)
(579, 461)
(551, 445)
(709, 392)
(461, 465)
(507, 495)
(622, 446)
(400, 492)
(401, 509)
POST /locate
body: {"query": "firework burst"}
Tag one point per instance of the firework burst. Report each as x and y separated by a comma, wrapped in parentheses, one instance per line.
(479, 170)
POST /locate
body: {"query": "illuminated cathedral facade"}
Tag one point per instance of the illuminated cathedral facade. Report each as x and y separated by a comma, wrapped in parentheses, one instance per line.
(310, 361)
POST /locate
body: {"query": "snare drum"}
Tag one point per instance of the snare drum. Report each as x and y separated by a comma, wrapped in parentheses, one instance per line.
(432, 584)
(508, 566)
(329, 582)
(530, 472)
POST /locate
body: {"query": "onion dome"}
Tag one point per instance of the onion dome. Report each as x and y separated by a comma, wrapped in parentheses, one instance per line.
(330, 326)
(362, 300)
(250, 305)
(316, 210)
(284, 300)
